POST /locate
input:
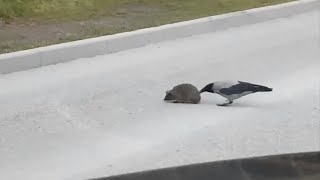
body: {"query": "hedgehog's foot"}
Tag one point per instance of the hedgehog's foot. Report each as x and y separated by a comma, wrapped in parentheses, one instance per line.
(225, 104)
(183, 102)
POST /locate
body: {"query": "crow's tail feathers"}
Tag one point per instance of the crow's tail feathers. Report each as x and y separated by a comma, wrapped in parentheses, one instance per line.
(256, 87)
(259, 88)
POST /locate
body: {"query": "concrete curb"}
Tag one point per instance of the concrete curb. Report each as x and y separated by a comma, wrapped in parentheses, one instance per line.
(28, 59)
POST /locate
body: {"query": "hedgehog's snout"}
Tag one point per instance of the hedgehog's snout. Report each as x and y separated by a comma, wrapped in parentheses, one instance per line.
(169, 97)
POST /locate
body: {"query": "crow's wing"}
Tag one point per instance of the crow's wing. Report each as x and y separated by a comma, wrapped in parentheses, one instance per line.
(239, 88)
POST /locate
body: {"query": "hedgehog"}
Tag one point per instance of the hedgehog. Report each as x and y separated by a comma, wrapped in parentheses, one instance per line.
(183, 93)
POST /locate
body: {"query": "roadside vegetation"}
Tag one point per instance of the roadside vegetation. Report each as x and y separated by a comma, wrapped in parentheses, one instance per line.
(26, 24)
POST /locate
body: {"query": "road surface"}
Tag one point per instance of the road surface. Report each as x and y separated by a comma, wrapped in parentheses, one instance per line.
(105, 115)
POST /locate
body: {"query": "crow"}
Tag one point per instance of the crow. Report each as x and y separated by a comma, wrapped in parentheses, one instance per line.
(233, 89)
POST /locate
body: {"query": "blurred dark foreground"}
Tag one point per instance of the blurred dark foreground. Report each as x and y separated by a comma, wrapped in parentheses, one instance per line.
(299, 166)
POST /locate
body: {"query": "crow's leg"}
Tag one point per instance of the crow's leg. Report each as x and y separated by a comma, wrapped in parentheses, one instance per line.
(225, 104)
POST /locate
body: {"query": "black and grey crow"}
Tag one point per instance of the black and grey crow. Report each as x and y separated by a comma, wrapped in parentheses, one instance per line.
(233, 89)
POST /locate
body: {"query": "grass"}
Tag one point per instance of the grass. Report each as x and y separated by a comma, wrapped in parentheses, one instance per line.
(80, 9)
(103, 17)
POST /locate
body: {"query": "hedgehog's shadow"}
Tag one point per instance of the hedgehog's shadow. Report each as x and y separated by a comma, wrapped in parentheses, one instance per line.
(212, 103)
